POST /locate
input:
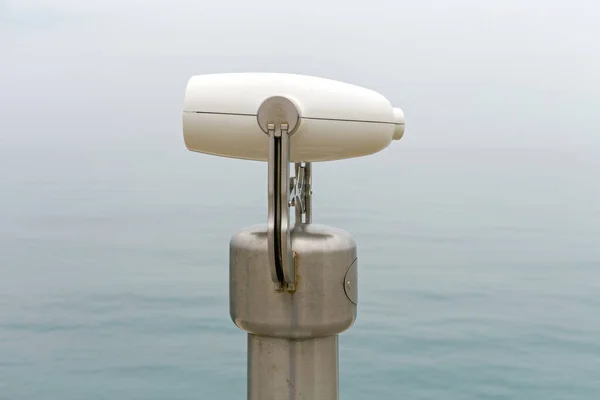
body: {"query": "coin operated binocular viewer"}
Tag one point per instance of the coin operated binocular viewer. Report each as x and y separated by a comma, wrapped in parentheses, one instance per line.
(293, 288)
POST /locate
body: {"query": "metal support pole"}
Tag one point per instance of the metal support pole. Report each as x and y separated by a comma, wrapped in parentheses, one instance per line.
(292, 369)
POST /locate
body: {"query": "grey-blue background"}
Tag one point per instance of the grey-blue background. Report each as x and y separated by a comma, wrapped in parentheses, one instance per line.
(478, 233)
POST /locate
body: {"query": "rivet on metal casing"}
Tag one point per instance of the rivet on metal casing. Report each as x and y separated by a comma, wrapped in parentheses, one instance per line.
(351, 282)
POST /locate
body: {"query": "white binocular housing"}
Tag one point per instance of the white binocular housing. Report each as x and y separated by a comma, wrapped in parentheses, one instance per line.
(335, 120)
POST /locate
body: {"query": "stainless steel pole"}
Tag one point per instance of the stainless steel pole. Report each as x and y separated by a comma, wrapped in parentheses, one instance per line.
(292, 369)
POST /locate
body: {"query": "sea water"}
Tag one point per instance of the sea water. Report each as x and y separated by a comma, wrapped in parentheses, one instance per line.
(479, 273)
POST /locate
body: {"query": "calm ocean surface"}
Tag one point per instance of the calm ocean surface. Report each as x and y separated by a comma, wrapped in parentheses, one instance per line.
(479, 275)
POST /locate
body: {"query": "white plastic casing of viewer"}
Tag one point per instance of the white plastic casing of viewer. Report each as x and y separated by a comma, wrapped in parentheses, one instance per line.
(337, 120)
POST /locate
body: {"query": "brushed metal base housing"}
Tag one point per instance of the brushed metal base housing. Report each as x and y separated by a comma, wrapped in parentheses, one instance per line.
(320, 305)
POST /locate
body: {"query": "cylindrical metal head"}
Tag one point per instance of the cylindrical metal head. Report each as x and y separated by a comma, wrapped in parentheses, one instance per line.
(324, 302)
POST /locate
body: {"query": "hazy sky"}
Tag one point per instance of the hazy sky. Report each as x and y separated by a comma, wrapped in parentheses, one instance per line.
(469, 73)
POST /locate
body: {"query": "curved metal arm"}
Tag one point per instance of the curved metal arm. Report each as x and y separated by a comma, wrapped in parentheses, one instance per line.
(280, 247)
(279, 118)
